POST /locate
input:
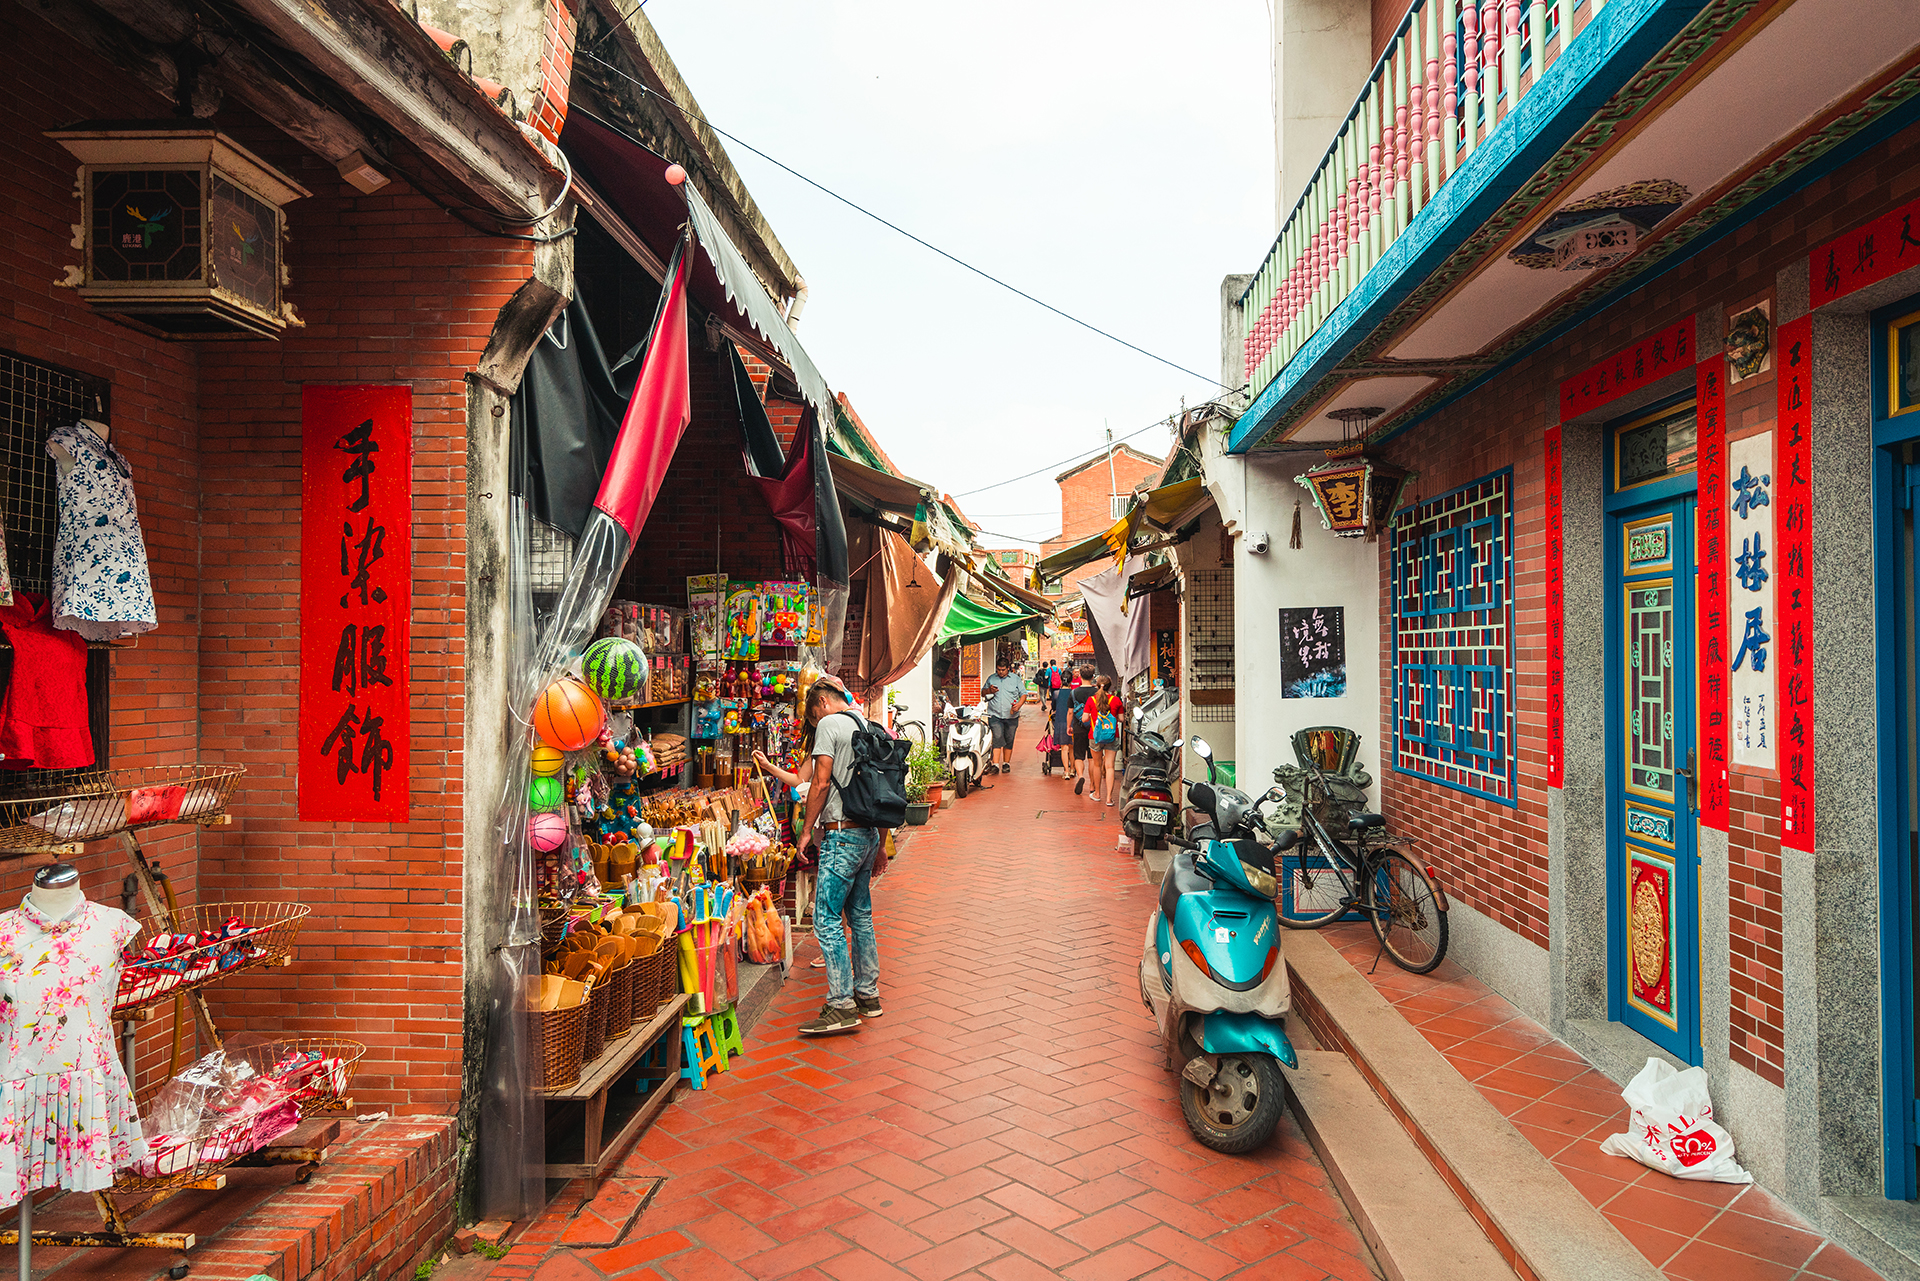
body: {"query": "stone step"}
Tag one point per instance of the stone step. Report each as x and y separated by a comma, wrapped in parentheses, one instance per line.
(1416, 1226)
(1533, 1216)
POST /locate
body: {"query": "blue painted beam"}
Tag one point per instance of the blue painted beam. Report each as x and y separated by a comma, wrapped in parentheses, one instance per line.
(1601, 60)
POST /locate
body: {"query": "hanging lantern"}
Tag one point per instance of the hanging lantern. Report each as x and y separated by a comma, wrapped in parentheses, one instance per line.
(1354, 492)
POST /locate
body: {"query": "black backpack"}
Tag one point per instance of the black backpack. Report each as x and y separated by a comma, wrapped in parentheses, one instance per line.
(876, 793)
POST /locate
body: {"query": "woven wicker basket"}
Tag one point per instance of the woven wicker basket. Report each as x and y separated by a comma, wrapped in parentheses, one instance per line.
(595, 1043)
(561, 1036)
(618, 987)
(654, 982)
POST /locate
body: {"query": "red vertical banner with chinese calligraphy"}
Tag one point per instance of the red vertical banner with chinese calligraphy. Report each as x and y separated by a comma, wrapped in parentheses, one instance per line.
(356, 594)
(1793, 593)
(1710, 385)
(1556, 620)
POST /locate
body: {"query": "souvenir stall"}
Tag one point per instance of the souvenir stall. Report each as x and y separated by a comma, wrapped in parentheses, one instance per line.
(81, 979)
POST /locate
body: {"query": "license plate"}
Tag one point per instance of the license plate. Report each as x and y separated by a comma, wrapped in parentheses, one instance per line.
(1150, 816)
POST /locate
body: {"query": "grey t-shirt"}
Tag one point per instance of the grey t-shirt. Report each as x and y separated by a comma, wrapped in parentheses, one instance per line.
(1001, 693)
(834, 738)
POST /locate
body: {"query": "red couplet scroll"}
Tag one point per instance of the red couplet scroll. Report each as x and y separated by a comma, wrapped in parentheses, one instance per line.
(356, 597)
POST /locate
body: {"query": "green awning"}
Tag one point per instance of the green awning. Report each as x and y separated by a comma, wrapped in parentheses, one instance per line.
(970, 622)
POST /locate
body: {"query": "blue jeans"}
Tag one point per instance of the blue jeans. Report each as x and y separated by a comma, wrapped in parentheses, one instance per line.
(846, 888)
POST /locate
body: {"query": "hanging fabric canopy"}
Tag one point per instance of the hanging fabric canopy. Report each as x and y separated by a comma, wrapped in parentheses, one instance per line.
(970, 623)
(905, 603)
(799, 490)
(1123, 632)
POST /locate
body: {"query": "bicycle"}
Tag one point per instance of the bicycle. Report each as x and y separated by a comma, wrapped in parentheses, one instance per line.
(1326, 877)
(912, 731)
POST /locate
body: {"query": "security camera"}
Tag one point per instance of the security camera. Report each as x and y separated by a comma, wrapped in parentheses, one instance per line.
(1257, 544)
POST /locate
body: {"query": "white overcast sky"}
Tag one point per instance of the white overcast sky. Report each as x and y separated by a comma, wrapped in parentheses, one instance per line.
(1113, 159)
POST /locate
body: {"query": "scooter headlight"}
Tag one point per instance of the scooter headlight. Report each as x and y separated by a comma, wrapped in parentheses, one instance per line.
(1261, 880)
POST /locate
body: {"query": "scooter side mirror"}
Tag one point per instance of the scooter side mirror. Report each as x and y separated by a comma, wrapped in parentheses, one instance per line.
(1205, 753)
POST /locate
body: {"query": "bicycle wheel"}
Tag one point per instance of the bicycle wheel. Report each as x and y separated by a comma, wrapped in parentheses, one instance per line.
(1316, 886)
(912, 731)
(1406, 913)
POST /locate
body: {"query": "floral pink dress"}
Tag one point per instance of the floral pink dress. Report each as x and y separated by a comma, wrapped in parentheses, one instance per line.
(67, 1117)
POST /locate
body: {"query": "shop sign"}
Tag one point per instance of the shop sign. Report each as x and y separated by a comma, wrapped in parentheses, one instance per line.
(1793, 537)
(1864, 256)
(356, 597)
(1711, 389)
(1647, 361)
(1751, 624)
(1166, 656)
(1313, 652)
(1556, 620)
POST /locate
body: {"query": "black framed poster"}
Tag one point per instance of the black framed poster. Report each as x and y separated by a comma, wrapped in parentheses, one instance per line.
(1313, 652)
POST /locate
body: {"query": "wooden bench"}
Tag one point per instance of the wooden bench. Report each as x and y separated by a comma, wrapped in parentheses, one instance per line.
(595, 1105)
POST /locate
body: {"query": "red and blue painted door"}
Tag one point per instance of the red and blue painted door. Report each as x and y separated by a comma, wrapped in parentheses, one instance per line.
(1653, 783)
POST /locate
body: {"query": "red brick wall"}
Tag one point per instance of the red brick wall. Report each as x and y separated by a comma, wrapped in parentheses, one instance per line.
(1086, 505)
(154, 408)
(1492, 856)
(393, 290)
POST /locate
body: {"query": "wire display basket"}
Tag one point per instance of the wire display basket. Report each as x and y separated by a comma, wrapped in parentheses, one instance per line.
(205, 942)
(183, 1161)
(98, 803)
(327, 1064)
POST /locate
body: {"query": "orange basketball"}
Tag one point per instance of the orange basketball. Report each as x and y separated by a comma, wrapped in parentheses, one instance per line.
(568, 715)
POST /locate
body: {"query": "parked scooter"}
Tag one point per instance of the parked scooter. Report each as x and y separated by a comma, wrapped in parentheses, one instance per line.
(1148, 810)
(965, 746)
(1210, 972)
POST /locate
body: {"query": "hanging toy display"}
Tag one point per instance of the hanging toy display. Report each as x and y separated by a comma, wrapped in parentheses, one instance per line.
(743, 621)
(545, 794)
(568, 715)
(784, 621)
(548, 761)
(615, 669)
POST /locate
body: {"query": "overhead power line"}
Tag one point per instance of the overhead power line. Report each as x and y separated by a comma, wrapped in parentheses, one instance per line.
(1079, 457)
(893, 226)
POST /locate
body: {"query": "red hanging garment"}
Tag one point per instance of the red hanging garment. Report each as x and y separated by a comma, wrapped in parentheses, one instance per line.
(43, 713)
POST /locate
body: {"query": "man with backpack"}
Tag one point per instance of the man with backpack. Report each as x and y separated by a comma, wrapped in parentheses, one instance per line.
(858, 792)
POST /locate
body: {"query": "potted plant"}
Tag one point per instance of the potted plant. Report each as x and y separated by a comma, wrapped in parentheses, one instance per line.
(923, 769)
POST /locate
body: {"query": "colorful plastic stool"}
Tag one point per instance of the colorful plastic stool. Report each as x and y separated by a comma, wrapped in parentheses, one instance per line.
(726, 1031)
(655, 1058)
(699, 1053)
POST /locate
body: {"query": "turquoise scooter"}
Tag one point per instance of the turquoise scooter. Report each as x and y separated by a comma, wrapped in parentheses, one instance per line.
(1211, 973)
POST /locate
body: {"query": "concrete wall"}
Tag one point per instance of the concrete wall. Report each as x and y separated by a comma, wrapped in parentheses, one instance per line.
(1322, 53)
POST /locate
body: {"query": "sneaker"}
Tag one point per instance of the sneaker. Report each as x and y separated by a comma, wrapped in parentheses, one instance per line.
(832, 1021)
(869, 1006)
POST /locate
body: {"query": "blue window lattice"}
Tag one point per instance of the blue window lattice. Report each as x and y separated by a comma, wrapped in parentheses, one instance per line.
(1453, 639)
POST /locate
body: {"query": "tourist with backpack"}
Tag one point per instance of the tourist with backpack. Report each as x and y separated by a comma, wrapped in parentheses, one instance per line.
(858, 793)
(1103, 715)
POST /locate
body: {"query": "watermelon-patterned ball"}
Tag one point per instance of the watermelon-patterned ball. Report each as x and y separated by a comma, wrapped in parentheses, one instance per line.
(615, 669)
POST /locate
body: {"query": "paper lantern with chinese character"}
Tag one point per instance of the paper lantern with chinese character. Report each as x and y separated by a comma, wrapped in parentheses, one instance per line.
(1356, 495)
(181, 230)
(568, 715)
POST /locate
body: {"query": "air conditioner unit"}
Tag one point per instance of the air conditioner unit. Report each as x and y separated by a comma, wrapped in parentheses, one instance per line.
(181, 230)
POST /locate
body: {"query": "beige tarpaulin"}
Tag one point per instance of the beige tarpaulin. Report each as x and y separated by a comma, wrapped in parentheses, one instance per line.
(905, 603)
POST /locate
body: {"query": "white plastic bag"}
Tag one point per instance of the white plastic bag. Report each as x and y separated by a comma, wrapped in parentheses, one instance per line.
(1671, 1128)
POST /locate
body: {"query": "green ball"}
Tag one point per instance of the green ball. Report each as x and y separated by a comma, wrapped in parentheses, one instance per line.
(615, 669)
(545, 794)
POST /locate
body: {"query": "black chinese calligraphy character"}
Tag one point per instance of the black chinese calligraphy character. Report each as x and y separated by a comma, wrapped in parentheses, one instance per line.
(1752, 571)
(1680, 345)
(371, 548)
(1906, 235)
(376, 753)
(1832, 279)
(1863, 254)
(362, 446)
(1754, 643)
(1793, 355)
(1797, 641)
(1659, 352)
(344, 732)
(360, 660)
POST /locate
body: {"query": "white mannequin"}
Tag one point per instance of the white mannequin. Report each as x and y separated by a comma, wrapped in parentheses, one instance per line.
(65, 459)
(56, 891)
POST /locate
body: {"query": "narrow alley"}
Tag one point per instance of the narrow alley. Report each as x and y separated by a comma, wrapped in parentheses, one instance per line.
(1007, 1117)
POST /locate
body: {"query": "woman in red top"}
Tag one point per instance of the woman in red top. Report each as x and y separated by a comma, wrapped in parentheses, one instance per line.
(1104, 702)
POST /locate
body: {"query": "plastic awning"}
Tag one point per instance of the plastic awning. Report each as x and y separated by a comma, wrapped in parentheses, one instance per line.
(1166, 508)
(1068, 559)
(877, 489)
(970, 622)
(1012, 591)
(1149, 580)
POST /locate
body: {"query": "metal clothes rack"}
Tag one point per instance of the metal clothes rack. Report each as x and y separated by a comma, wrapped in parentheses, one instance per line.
(116, 1231)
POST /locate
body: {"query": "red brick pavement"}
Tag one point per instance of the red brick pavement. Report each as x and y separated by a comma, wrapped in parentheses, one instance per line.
(1008, 1118)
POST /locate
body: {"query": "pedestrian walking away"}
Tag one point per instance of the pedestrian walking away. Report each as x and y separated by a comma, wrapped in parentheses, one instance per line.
(850, 857)
(1003, 693)
(1081, 749)
(1102, 716)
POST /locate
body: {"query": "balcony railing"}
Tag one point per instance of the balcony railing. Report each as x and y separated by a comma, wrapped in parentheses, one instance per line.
(1455, 70)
